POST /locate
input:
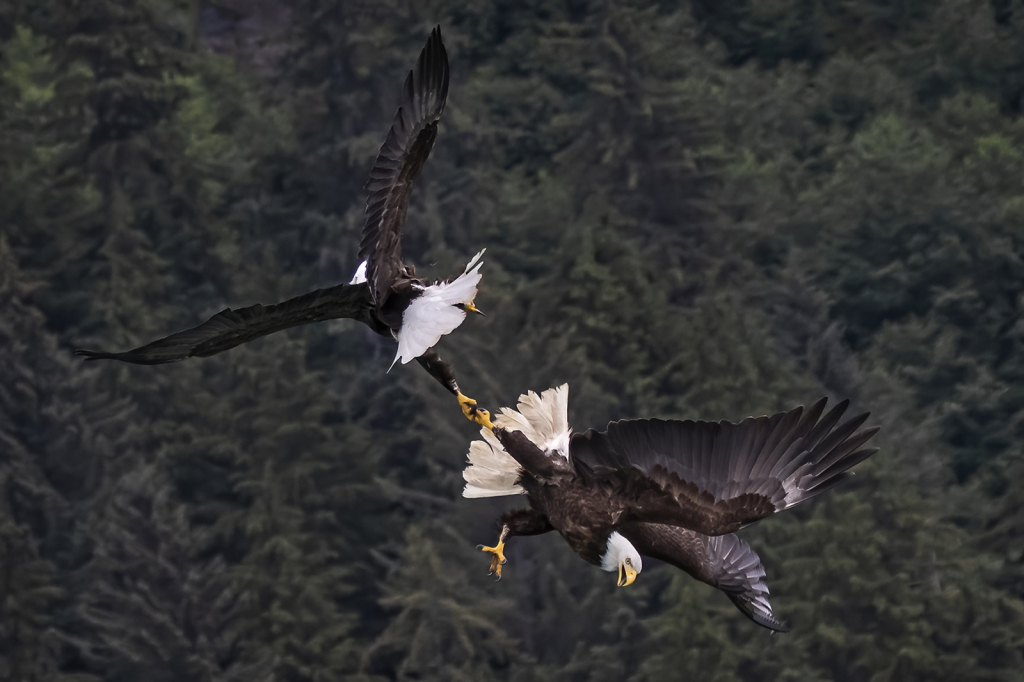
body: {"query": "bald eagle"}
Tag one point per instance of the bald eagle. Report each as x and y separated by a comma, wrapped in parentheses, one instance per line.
(671, 490)
(384, 293)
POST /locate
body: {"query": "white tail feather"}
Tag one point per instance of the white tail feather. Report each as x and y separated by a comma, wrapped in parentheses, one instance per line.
(543, 419)
(491, 472)
(433, 314)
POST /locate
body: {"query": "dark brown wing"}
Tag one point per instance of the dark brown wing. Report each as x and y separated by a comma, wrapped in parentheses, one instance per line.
(716, 477)
(724, 561)
(399, 162)
(230, 328)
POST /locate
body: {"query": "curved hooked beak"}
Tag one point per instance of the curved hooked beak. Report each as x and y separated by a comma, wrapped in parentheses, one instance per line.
(626, 575)
(471, 308)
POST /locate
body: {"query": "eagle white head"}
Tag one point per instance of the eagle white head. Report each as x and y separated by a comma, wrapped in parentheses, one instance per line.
(620, 555)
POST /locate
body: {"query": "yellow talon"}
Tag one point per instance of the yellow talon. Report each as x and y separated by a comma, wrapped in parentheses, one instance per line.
(474, 414)
(498, 560)
(483, 418)
(467, 405)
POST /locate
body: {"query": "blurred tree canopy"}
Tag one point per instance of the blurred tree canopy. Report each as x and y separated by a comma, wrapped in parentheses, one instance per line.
(696, 209)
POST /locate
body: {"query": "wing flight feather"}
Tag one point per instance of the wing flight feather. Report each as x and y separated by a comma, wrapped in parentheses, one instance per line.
(398, 164)
(716, 477)
(230, 328)
(725, 562)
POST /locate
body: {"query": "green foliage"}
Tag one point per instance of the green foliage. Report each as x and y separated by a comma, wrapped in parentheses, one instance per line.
(691, 210)
(443, 624)
(27, 65)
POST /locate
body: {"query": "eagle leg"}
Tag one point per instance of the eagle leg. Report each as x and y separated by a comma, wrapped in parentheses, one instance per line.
(440, 369)
(498, 560)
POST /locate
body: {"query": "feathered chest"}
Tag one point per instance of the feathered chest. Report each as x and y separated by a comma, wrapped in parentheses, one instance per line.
(584, 515)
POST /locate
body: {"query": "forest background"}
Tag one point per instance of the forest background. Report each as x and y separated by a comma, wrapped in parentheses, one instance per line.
(691, 210)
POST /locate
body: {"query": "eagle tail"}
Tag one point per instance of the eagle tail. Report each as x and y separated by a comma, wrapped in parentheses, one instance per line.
(543, 419)
(433, 313)
(491, 472)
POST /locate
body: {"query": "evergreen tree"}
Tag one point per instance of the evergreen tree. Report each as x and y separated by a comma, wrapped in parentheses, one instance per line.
(690, 209)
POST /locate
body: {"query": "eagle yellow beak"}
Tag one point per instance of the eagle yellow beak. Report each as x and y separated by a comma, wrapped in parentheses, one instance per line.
(626, 575)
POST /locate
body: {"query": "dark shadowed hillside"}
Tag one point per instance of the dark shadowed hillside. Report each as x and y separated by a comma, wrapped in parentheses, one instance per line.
(691, 210)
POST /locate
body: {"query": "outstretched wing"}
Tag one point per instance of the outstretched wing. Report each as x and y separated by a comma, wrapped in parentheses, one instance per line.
(399, 162)
(230, 328)
(724, 561)
(716, 477)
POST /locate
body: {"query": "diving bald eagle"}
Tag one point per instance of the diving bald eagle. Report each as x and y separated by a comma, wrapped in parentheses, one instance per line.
(672, 490)
(384, 293)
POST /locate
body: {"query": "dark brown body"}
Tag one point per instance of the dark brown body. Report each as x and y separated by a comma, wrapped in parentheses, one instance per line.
(586, 512)
(402, 292)
(567, 497)
(580, 514)
(560, 499)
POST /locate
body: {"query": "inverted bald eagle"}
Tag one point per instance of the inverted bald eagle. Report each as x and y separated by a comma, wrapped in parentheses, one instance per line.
(672, 490)
(385, 292)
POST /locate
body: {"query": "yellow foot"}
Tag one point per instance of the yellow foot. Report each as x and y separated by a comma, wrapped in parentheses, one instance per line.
(483, 418)
(498, 560)
(473, 413)
(467, 405)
